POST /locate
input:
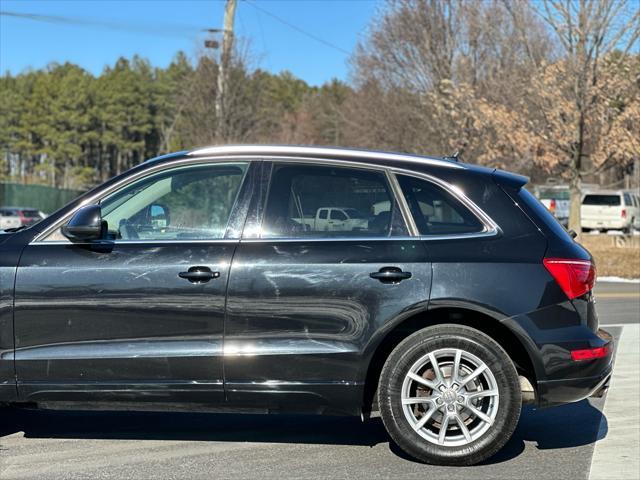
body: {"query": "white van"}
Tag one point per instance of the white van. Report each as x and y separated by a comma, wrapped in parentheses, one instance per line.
(610, 210)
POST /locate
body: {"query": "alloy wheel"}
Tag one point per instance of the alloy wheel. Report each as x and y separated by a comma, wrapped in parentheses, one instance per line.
(450, 397)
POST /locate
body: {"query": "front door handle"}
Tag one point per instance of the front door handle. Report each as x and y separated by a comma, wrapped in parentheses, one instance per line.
(199, 274)
(390, 275)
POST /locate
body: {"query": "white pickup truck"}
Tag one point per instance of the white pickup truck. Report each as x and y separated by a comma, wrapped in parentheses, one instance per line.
(335, 219)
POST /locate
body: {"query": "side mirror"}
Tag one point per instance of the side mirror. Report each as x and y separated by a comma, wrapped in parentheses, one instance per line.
(85, 225)
(158, 215)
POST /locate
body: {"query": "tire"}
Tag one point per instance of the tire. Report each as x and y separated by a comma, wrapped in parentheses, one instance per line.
(484, 437)
(628, 229)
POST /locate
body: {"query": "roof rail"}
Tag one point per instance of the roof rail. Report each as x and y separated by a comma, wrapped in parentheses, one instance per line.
(328, 152)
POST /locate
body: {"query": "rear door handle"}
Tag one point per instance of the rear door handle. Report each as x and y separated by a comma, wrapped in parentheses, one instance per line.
(199, 274)
(390, 275)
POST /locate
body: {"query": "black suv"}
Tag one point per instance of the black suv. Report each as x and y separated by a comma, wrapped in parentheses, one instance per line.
(310, 280)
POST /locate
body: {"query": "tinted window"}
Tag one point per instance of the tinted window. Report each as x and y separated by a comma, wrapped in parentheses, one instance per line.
(608, 200)
(436, 211)
(627, 200)
(181, 204)
(299, 196)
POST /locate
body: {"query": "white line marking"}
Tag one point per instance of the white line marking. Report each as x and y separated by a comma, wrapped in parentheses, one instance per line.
(616, 455)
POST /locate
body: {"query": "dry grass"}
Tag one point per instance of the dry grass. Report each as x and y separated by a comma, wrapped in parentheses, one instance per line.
(611, 258)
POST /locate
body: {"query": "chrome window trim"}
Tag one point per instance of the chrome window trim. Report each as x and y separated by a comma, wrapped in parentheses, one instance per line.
(491, 228)
(457, 236)
(141, 242)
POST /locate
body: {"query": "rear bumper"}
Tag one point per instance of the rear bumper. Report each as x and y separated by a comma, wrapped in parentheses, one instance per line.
(568, 390)
(605, 223)
(559, 392)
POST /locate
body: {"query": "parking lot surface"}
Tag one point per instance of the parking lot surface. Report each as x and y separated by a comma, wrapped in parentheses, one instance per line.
(552, 443)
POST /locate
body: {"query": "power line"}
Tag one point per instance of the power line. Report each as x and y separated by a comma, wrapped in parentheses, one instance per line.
(298, 29)
(155, 29)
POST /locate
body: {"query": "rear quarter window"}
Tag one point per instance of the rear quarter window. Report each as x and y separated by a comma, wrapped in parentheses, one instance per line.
(435, 211)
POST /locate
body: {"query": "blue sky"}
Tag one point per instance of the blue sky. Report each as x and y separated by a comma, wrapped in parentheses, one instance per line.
(158, 29)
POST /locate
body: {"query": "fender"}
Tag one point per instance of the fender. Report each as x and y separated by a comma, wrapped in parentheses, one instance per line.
(429, 310)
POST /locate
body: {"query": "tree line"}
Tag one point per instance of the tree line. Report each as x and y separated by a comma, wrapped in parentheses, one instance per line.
(63, 127)
(548, 89)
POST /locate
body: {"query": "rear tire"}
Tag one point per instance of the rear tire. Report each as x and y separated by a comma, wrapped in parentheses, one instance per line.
(469, 385)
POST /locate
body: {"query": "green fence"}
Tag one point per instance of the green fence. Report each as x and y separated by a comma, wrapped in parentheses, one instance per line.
(41, 197)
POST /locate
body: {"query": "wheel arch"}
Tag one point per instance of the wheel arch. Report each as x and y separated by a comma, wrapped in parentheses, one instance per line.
(457, 314)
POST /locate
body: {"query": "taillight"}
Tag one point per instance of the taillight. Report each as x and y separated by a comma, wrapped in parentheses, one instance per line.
(589, 353)
(624, 213)
(575, 277)
(552, 206)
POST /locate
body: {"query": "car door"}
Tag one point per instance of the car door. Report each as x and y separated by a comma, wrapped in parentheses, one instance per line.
(337, 220)
(304, 305)
(139, 315)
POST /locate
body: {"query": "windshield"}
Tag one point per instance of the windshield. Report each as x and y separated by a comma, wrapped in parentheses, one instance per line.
(607, 200)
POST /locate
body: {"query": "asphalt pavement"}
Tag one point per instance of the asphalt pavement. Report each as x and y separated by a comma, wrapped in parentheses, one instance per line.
(551, 443)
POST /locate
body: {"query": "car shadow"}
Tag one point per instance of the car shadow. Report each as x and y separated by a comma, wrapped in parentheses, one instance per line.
(556, 428)
(566, 426)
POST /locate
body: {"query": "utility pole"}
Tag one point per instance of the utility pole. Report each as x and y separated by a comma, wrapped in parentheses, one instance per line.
(223, 68)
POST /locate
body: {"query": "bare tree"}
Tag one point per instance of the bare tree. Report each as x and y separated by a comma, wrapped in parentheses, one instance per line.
(588, 32)
(427, 68)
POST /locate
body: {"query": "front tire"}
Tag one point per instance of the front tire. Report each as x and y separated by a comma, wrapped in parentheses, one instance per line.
(449, 395)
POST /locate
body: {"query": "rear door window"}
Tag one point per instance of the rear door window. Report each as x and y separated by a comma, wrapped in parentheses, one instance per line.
(301, 195)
